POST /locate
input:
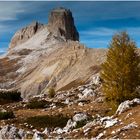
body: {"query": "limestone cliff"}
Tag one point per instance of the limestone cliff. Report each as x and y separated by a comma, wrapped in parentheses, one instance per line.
(24, 34)
(61, 23)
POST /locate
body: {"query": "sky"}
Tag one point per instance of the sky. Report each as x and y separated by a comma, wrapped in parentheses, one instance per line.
(96, 21)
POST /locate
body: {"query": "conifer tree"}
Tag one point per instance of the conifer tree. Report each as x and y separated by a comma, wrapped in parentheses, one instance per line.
(120, 72)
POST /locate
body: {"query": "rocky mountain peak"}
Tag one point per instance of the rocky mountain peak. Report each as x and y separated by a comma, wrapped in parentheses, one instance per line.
(60, 27)
(25, 33)
(61, 23)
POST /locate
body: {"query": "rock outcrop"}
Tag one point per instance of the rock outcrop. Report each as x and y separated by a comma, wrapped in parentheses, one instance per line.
(61, 23)
(126, 105)
(25, 33)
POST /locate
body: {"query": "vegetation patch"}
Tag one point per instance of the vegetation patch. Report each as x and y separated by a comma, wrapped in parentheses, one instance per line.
(48, 121)
(51, 92)
(6, 115)
(60, 104)
(9, 96)
(36, 104)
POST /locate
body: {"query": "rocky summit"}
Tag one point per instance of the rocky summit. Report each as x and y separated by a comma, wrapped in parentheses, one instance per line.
(61, 23)
(50, 87)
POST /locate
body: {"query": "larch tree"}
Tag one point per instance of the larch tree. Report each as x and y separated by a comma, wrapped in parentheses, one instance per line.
(121, 72)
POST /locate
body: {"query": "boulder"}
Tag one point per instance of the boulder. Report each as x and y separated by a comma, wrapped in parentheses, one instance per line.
(130, 126)
(80, 117)
(58, 130)
(109, 121)
(69, 126)
(37, 136)
(88, 92)
(46, 131)
(96, 80)
(126, 105)
(11, 132)
(81, 104)
(80, 88)
(99, 136)
(67, 101)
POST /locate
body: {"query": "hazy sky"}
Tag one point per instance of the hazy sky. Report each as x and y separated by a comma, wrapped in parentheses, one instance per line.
(95, 21)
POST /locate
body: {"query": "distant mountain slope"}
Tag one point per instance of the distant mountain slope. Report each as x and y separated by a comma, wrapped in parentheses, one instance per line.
(42, 56)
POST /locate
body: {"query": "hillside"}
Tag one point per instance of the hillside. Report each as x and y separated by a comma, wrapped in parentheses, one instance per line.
(80, 112)
(50, 87)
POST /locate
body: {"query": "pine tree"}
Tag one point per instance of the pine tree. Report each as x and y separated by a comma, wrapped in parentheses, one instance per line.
(120, 72)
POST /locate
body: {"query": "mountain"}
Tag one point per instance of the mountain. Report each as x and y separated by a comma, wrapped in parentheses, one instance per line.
(42, 56)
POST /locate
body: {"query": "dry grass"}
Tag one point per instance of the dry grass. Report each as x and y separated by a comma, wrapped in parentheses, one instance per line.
(90, 108)
(50, 121)
(129, 134)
